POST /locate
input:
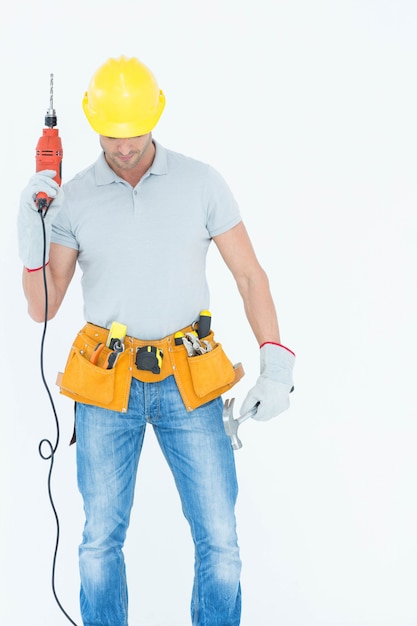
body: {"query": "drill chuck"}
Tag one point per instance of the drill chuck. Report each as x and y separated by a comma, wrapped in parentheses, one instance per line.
(51, 119)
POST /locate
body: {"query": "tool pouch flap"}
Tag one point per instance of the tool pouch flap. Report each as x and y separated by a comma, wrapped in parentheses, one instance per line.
(87, 380)
(211, 371)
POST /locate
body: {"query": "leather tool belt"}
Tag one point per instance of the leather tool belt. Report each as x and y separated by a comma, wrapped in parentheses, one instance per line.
(199, 378)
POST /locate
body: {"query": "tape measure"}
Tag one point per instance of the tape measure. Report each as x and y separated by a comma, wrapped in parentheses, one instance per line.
(149, 358)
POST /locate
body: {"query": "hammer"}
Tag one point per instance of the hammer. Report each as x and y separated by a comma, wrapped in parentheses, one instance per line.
(232, 424)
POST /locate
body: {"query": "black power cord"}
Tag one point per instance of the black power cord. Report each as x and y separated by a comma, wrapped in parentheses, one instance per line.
(49, 455)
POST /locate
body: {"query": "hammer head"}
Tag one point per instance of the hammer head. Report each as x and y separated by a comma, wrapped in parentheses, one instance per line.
(231, 425)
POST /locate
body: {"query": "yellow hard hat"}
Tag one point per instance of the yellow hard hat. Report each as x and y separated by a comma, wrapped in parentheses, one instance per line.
(123, 99)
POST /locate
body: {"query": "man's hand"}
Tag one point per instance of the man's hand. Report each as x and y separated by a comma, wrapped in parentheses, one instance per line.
(29, 225)
(274, 385)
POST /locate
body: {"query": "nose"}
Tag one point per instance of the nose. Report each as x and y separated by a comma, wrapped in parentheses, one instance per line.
(123, 146)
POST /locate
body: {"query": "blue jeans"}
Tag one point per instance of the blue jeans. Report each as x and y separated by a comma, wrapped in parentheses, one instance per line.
(202, 462)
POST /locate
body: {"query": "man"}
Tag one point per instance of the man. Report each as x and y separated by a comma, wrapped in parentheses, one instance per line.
(139, 222)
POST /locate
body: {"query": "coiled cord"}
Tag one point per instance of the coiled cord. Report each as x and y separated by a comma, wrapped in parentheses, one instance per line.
(49, 455)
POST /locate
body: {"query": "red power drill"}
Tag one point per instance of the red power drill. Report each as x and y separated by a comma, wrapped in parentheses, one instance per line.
(49, 150)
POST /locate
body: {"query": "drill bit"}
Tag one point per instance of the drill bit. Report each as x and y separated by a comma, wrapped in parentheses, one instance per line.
(50, 117)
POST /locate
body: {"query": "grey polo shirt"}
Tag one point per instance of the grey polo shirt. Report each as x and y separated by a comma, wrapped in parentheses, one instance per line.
(142, 251)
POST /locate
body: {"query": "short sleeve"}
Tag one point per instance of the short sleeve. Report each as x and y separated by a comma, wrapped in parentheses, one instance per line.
(223, 212)
(62, 232)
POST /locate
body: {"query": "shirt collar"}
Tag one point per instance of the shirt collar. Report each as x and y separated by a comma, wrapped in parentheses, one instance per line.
(159, 166)
(105, 175)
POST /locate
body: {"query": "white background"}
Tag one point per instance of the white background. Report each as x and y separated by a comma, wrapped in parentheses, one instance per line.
(308, 109)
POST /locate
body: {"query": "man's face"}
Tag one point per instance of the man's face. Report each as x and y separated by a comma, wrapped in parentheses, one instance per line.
(125, 154)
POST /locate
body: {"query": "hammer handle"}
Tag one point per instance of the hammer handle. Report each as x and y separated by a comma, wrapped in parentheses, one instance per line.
(245, 416)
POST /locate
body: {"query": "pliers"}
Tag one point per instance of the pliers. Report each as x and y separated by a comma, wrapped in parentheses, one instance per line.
(109, 363)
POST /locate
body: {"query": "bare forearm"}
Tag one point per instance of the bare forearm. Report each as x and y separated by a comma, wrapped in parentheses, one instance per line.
(260, 308)
(34, 290)
(253, 284)
(58, 273)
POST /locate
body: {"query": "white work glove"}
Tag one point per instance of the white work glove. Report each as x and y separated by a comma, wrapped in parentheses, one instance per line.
(272, 389)
(29, 225)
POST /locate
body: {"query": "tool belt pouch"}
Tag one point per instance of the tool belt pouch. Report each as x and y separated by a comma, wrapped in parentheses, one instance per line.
(91, 383)
(204, 377)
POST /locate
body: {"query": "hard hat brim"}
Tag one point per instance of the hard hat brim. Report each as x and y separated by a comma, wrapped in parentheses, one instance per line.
(123, 129)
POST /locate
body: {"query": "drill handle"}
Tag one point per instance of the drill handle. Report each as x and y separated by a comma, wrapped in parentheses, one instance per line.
(49, 155)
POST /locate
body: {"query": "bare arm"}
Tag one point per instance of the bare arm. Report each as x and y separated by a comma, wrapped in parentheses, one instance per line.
(252, 282)
(59, 272)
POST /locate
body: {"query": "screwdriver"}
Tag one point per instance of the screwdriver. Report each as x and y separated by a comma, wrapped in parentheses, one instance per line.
(204, 323)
